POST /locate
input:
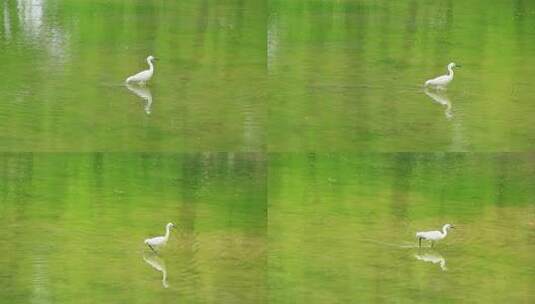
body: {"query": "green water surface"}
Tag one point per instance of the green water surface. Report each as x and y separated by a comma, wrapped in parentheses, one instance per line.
(73, 228)
(348, 75)
(67, 62)
(279, 75)
(290, 141)
(341, 228)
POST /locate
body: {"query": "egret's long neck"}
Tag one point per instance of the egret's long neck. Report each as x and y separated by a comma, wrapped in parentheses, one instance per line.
(167, 233)
(444, 231)
(450, 69)
(151, 67)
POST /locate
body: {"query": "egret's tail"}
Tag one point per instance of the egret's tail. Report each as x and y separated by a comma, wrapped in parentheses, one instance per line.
(128, 79)
(418, 234)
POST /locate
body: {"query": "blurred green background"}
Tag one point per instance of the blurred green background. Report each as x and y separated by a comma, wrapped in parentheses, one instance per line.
(341, 228)
(348, 75)
(65, 63)
(291, 142)
(73, 227)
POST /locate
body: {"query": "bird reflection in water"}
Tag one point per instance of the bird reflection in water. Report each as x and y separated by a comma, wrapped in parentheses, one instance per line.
(432, 257)
(442, 99)
(157, 263)
(144, 93)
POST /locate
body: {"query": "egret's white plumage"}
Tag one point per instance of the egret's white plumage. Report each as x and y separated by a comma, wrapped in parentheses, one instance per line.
(159, 241)
(143, 76)
(442, 81)
(433, 235)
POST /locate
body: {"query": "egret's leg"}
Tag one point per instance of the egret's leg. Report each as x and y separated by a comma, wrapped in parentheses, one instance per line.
(419, 242)
(152, 249)
(432, 243)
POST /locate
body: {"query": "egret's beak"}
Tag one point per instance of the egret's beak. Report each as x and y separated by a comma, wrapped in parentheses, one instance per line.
(452, 227)
(156, 59)
(458, 66)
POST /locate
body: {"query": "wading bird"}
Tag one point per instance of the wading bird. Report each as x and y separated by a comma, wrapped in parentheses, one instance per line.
(433, 235)
(143, 76)
(442, 81)
(159, 241)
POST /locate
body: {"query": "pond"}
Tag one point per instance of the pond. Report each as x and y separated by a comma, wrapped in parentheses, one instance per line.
(73, 228)
(348, 75)
(65, 63)
(334, 228)
(288, 76)
(292, 143)
(341, 228)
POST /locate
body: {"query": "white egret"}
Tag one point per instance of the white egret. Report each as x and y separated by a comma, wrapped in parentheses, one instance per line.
(433, 235)
(442, 81)
(143, 76)
(159, 241)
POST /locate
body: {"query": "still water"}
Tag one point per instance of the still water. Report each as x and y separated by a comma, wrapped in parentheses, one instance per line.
(219, 143)
(341, 228)
(313, 228)
(65, 62)
(348, 75)
(73, 228)
(283, 75)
